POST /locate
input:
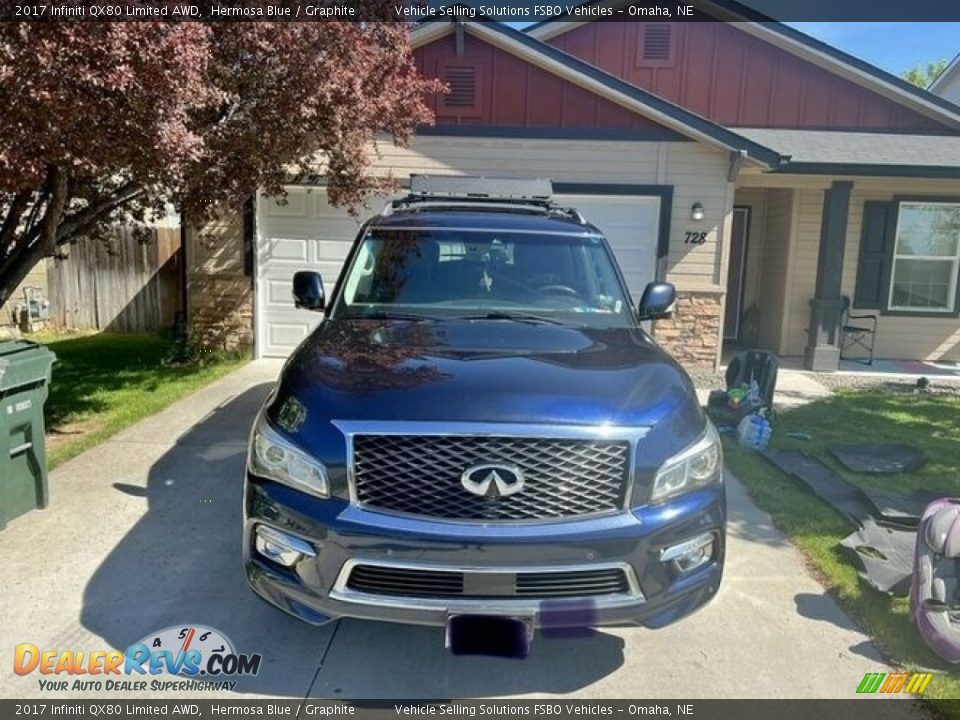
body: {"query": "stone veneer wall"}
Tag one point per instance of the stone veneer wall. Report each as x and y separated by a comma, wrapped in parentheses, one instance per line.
(692, 335)
(219, 294)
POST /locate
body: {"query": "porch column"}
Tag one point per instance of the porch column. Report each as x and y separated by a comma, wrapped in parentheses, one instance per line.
(823, 342)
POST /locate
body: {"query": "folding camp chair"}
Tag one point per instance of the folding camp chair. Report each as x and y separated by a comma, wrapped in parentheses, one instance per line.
(857, 331)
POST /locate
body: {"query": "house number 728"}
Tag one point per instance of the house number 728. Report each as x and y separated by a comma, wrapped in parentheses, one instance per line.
(695, 238)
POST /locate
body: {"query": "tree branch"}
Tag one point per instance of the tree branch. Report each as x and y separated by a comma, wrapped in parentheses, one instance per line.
(83, 220)
(14, 212)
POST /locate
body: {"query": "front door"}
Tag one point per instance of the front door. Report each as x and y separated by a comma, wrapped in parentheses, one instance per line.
(735, 276)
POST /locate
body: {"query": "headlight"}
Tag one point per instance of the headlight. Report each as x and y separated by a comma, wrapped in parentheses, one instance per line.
(274, 457)
(697, 466)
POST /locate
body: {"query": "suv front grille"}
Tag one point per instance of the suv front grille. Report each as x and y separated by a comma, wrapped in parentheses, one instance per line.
(409, 582)
(421, 475)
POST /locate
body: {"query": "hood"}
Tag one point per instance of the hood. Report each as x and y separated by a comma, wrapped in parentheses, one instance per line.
(487, 371)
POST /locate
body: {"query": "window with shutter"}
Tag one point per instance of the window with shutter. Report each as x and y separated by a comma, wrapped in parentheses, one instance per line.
(926, 257)
(873, 265)
(656, 44)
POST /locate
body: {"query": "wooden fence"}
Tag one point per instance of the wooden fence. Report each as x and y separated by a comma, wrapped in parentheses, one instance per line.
(126, 285)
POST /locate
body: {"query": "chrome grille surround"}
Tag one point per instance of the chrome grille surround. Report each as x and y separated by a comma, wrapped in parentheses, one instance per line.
(413, 468)
(625, 593)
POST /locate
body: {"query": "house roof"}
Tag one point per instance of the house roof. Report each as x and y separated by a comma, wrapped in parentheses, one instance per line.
(793, 41)
(602, 83)
(949, 72)
(862, 153)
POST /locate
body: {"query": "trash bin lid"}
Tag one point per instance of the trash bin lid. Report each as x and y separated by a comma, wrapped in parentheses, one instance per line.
(23, 362)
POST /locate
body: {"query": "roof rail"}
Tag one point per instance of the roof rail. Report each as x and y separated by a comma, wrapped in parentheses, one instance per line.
(463, 187)
(435, 191)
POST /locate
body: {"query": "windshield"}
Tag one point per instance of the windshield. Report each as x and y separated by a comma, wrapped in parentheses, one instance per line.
(444, 274)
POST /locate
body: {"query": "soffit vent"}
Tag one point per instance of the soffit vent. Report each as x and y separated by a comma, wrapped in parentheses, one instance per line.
(657, 40)
(463, 86)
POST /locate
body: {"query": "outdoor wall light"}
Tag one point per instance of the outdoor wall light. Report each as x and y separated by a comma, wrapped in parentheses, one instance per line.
(696, 212)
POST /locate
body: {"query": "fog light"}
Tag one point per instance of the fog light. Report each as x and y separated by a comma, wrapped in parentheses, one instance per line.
(281, 548)
(691, 554)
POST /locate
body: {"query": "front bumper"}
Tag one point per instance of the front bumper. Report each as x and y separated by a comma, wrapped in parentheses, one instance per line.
(342, 535)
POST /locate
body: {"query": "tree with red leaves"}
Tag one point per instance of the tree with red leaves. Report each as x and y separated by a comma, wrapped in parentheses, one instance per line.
(102, 122)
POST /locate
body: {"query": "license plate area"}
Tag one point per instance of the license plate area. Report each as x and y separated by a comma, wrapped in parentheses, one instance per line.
(491, 635)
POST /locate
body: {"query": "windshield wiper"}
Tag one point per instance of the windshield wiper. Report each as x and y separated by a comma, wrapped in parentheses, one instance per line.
(527, 318)
(383, 315)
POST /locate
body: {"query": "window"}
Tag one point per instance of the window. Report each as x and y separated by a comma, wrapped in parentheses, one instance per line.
(926, 257)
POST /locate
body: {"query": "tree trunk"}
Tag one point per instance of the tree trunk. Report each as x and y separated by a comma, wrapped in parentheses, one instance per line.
(23, 263)
(54, 229)
(37, 241)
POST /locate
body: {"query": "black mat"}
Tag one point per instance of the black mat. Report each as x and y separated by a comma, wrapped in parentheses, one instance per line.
(901, 509)
(883, 544)
(885, 555)
(878, 458)
(829, 487)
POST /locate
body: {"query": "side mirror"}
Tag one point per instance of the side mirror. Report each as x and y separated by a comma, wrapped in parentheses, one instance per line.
(657, 301)
(308, 290)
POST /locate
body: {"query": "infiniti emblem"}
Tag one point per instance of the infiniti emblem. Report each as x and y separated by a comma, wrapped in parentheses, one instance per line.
(492, 480)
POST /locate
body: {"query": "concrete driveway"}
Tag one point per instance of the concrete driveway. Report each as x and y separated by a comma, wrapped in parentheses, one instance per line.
(143, 533)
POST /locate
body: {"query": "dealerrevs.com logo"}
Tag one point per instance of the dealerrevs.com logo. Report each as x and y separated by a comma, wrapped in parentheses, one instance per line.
(203, 656)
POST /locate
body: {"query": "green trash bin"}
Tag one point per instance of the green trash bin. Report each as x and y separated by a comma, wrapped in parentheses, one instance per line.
(25, 371)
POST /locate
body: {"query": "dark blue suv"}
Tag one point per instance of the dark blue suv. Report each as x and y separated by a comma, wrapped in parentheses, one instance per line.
(481, 427)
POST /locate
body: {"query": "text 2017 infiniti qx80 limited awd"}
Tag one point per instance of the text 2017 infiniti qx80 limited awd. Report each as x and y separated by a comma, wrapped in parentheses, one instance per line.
(481, 430)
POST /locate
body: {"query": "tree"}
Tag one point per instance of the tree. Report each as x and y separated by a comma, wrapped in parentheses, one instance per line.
(109, 121)
(922, 76)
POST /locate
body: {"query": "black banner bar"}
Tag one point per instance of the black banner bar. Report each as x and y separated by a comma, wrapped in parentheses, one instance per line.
(878, 708)
(519, 11)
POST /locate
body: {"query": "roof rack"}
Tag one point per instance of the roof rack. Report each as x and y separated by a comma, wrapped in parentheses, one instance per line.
(436, 191)
(460, 187)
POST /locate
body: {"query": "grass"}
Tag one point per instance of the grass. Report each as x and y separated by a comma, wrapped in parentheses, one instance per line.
(105, 382)
(929, 422)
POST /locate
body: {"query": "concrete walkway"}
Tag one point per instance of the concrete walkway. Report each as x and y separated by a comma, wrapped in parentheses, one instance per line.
(143, 533)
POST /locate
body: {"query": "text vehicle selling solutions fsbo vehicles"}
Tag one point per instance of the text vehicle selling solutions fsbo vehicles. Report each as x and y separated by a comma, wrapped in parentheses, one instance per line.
(481, 435)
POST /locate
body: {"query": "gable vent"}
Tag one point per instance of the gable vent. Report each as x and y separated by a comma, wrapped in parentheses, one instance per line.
(657, 42)
(463, 87)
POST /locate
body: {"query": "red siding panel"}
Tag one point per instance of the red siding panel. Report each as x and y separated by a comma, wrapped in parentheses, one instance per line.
(512, 92)
(737, 79)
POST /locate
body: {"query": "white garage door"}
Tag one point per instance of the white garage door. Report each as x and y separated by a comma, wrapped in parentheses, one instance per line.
(631, 225)
(304, 234)
(308, 234)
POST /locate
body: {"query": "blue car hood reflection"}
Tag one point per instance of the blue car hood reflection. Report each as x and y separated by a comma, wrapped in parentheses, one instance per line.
(488, 371)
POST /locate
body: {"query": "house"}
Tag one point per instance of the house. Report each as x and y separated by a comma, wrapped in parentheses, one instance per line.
(764, 173)
(947, 83)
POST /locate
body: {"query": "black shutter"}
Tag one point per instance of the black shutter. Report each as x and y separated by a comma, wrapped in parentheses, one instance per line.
(876, 252)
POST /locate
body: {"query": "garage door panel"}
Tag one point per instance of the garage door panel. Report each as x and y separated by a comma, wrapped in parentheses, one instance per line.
(283, 335)
(280, 291)
(289, 249)
(296, 206)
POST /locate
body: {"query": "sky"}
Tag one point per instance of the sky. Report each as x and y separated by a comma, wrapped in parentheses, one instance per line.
(894, 47)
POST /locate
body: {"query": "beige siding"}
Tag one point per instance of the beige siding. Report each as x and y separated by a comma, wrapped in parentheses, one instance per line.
(773, 286)
(697, 174)
(918, 338)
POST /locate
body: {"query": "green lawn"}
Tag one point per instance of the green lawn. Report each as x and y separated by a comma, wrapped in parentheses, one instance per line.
(930, 422)
(105, 382)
